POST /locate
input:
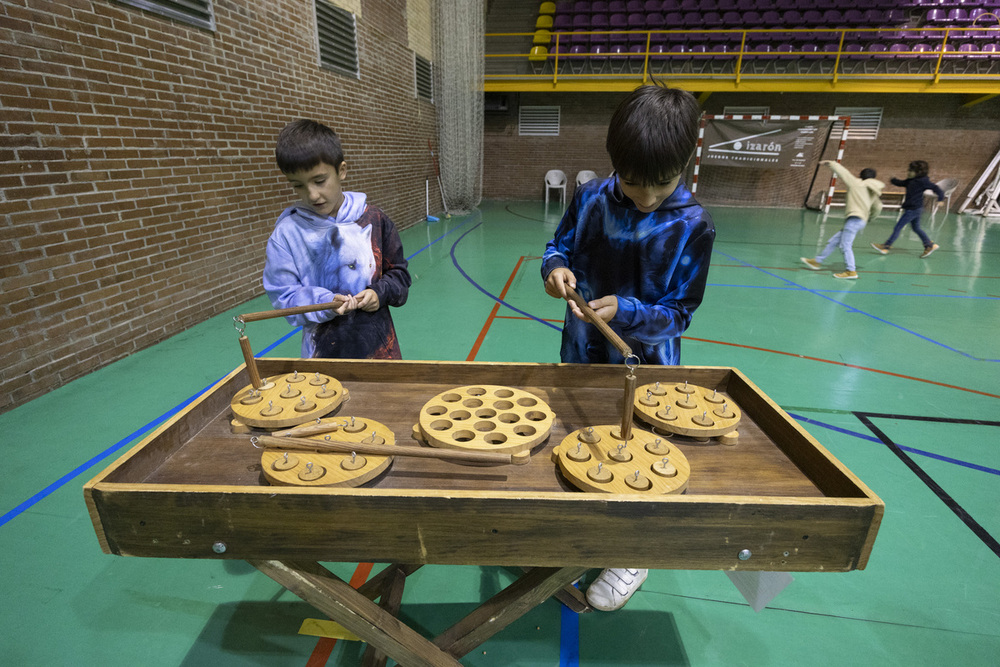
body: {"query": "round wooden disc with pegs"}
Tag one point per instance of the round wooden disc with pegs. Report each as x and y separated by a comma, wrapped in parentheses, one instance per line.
(287, 400)
(486, 418)
(693, 411)
(305, 468)
(646, 464)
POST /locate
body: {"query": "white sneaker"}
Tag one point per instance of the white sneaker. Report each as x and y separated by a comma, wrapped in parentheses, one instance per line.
(613, 588)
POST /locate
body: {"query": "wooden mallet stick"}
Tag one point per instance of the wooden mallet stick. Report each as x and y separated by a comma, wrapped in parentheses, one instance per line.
(596, 320)
(304, 444)
(285, 312)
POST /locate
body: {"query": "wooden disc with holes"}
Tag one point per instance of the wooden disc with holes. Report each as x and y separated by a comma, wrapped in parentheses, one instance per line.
(287, 400)
(330, 468)
(486, 417)
(693, 411)
(605, 467)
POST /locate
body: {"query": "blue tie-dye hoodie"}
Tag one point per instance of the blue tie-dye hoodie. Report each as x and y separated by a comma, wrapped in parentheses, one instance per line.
(655, 263)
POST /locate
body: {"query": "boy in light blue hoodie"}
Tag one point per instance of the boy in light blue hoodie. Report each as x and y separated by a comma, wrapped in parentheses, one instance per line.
(332, 247)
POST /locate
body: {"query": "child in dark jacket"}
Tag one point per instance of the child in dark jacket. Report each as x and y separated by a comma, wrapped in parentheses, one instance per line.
(913, 206)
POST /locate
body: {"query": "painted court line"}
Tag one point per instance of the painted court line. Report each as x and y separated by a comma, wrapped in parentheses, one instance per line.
(851, 309)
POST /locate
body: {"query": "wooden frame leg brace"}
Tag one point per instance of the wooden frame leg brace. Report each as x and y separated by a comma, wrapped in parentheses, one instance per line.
(386, 635)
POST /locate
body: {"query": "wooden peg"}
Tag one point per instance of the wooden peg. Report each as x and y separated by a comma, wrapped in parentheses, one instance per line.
(251, 363)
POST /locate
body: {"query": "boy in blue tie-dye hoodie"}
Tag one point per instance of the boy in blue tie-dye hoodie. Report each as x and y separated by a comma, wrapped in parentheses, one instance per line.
(333, 247)
(637, 247)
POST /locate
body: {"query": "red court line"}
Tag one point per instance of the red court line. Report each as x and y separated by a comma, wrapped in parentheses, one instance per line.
(841, 363)
(803, 356)
(493, 313)
(324, 647)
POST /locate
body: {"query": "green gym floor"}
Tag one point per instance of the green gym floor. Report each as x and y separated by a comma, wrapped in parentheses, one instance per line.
(896, 374)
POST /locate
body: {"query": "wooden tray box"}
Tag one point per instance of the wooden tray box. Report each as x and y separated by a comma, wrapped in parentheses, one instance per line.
(193, 489)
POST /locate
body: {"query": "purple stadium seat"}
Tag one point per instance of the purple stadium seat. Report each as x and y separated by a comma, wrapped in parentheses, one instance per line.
(690, 5)
(708, 6)
(599, 22)
(635, 6)
(581, 22)
(691, 20)
(652, 6)
(823, 5)
(812, 17)
(562, 22)
(923, 50)
(657, 51)
(897, 48)
(711, 19)
(617, 7)
(564, 8)
(809, 48)
(853, 17)
(751, 18)
(959, 16)
(745, 5)
(599, 54)
(763, 51)
(833, 17)
(874, 18)
(853, 51)
(618, 22)
(670, 6)
(785, 5)
(895, 17)
(581, 7)
(599, 7)
(783, 50)
(636, 21)
(726, 5)
(771, 19)
(878, 50)
(935, 15)
(698, 51)
(792, 18)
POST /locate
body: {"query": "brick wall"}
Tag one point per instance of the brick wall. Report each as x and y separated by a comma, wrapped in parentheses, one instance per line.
(138, 180)
(957, 141)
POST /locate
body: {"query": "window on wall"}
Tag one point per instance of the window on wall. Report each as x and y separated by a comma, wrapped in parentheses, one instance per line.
(865, 122)
(194, 12)
(424, 77)
(538, 121)
(338, 39)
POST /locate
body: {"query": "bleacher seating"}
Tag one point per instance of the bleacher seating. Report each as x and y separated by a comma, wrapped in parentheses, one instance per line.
(811, 31)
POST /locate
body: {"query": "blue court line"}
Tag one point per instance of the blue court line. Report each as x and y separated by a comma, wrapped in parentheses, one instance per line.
(912, 450)
(569, 637)
(68, 477)
(472, 282)
(797, 288)
(54, 486)
(851, 309)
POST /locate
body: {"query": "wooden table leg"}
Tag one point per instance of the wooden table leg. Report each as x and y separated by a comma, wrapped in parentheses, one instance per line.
(392, 596)
(572, 597)
(534, 588)
(335, 597)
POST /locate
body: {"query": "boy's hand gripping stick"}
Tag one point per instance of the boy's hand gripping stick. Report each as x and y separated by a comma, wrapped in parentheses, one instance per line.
(601, 325)
(240, 323)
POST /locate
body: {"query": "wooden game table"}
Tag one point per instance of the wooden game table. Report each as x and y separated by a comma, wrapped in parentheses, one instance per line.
(776, 501)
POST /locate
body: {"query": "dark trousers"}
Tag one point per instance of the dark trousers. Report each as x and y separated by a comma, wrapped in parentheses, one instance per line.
(911, 216)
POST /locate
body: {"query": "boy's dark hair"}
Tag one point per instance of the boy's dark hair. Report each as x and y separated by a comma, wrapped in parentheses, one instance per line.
(303, 144)
(919, 168)
(867, 173)
(653, 134)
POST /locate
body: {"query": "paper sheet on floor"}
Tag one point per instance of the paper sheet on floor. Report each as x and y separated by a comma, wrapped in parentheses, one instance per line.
(759, 588)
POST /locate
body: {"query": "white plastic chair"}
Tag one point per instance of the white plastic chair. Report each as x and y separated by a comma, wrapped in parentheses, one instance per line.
(584, 176)
(948, 186)
(555, 179)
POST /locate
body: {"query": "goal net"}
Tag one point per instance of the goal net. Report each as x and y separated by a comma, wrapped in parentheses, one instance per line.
(767, 161)
(458, 86)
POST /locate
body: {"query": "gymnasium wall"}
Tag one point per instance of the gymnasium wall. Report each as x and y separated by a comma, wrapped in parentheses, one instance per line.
(957, 141)
(138, 178)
